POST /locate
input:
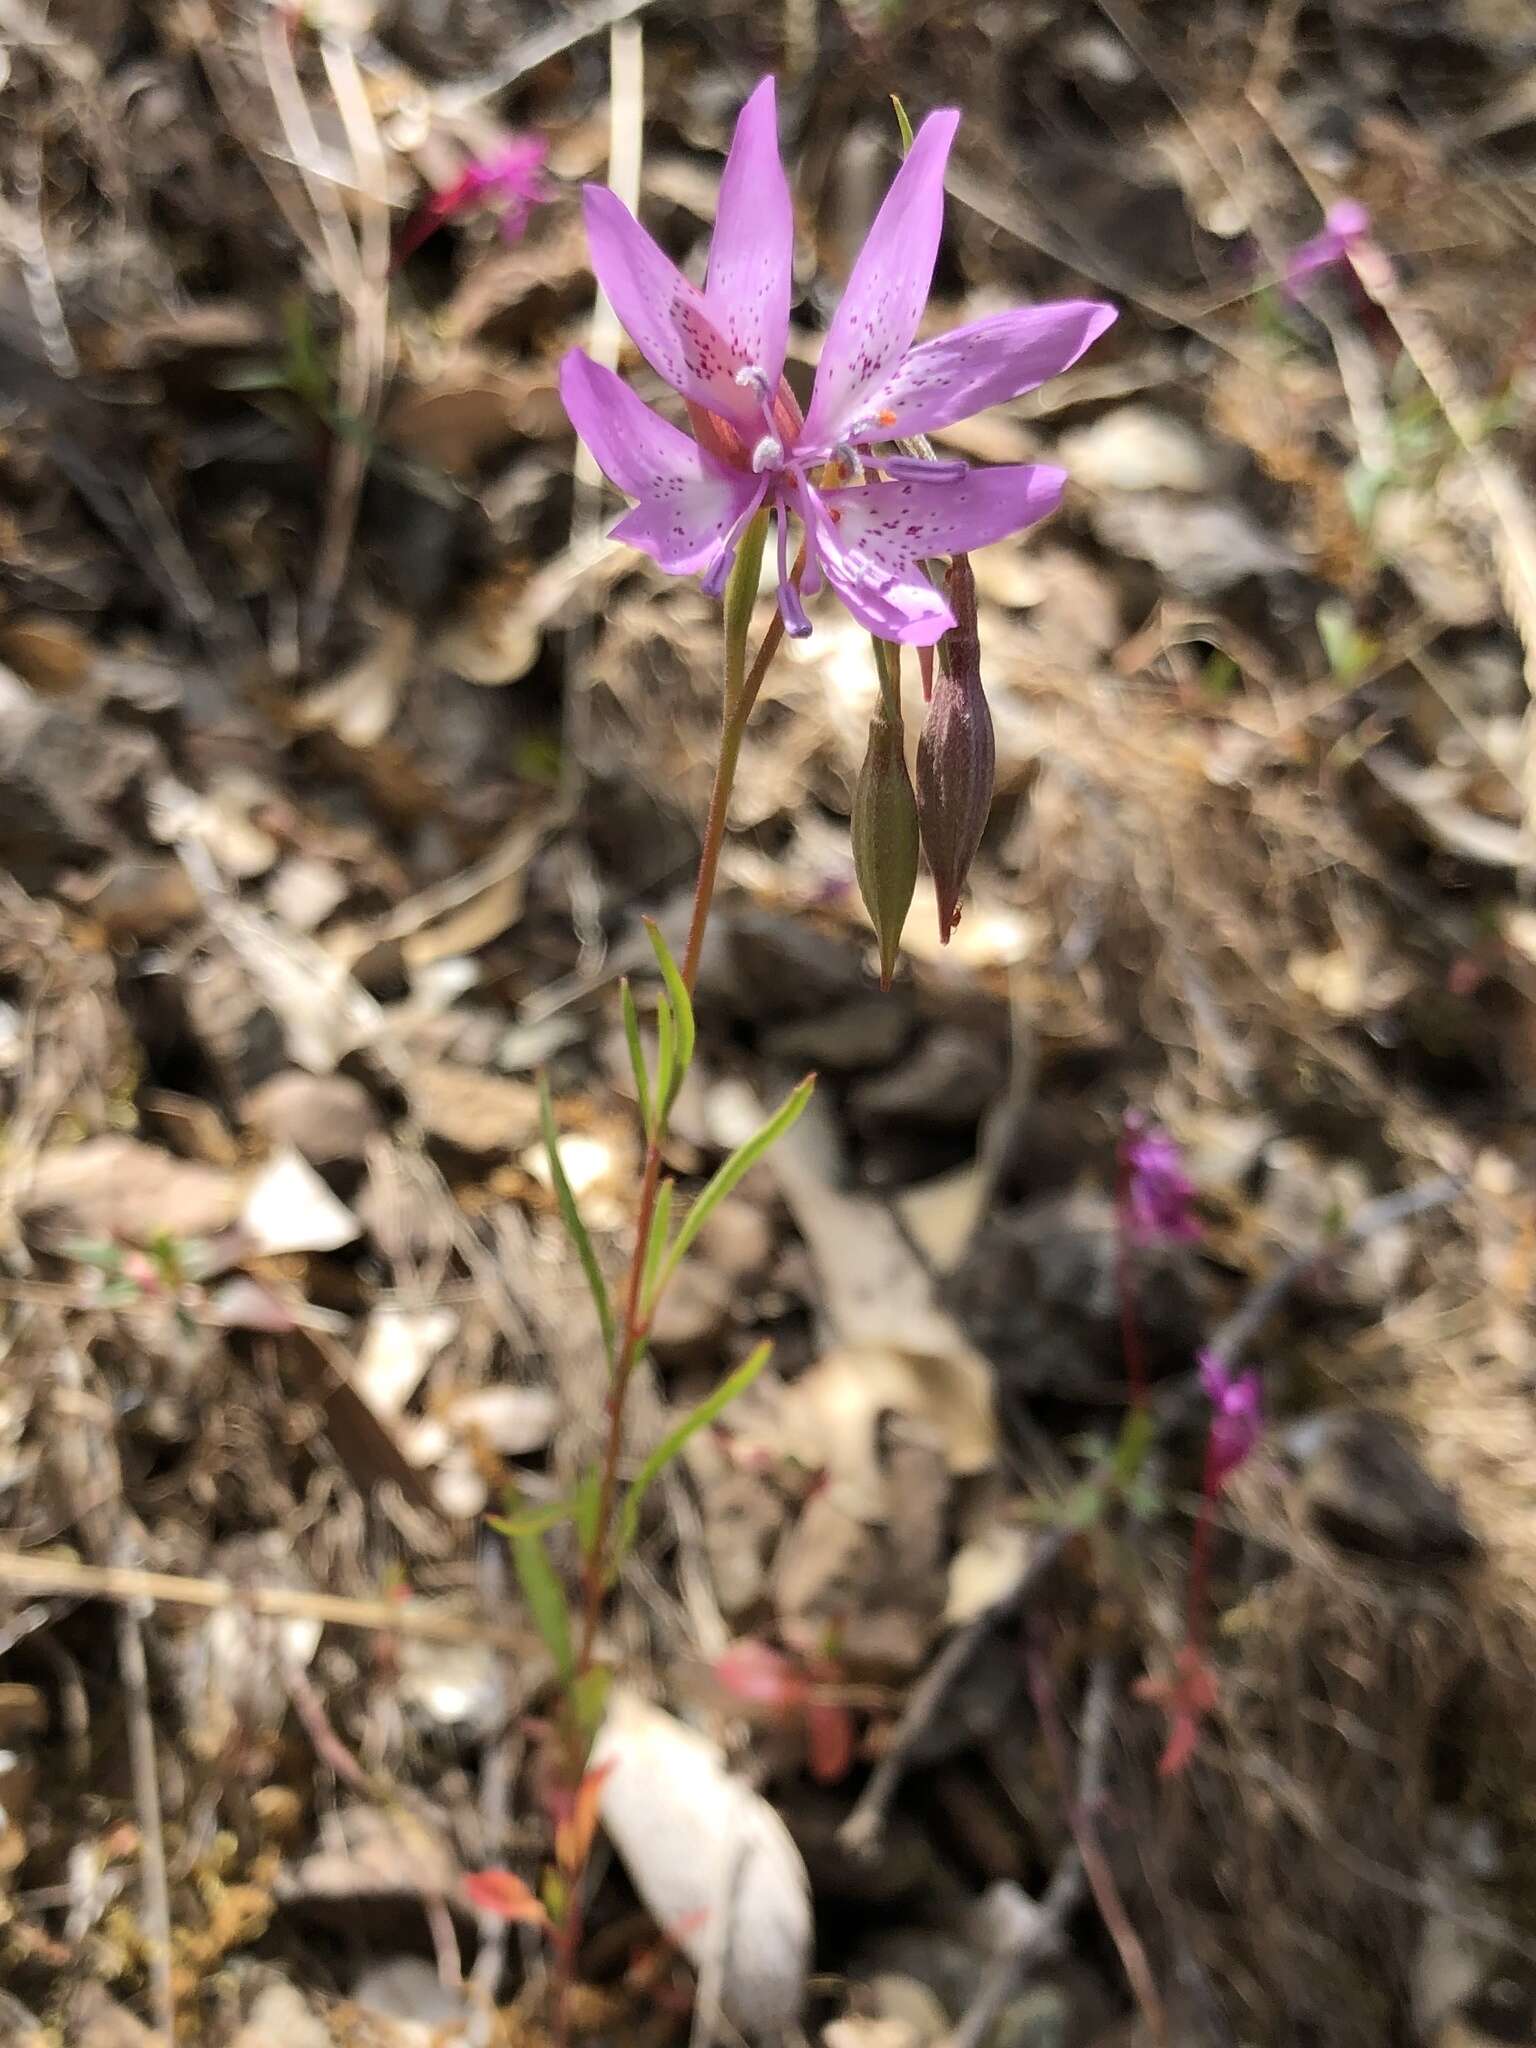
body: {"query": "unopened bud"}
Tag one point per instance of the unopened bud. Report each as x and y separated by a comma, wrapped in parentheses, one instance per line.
(956, 754)
(884, 834)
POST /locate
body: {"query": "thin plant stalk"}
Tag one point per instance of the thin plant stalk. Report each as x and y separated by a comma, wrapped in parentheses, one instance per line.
(739, 700)
(1131, 1348)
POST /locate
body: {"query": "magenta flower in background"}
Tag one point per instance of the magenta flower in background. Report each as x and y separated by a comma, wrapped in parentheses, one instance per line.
(1345, 225)
(1237, 1417)
(1157, 1195)
(510, 180)
(722, 350)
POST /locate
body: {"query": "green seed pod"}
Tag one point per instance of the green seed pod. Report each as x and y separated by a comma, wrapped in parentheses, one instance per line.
(884, 834)
(956, 754)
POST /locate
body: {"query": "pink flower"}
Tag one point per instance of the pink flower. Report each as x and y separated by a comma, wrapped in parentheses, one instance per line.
(510, 180)
(1345, 225)
(722, 350)
(1157, 1194)
(1237, 1417)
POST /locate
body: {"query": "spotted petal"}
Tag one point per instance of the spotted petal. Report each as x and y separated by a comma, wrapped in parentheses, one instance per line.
(873, 327)
(752, 254)
(689, 504)
(987, 363)
(664, 314)
(872, 540)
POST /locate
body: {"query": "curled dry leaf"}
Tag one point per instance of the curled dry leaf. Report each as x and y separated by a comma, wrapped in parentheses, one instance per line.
(700, 1844)
(504, 1895)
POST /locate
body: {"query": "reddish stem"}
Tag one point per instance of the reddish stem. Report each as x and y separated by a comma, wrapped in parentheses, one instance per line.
(1131, 1351)
(595, 1565)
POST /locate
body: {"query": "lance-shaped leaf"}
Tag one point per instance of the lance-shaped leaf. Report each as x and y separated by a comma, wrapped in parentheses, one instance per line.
(741, 1161)
(570, 1215)
(636, 1056)
(712, 1405)
(677, 994)
(546, 1600)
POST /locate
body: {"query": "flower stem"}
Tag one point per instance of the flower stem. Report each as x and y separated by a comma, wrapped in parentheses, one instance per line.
(1125, 1290)
(632, 1333)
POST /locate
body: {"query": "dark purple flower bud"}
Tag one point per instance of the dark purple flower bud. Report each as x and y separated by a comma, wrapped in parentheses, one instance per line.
(884, 835)
(1157, 1194)
(956, 754)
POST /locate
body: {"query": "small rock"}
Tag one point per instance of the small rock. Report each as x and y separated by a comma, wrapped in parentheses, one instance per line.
(868, 1031)
(327, 1118)
(951, 1078)
(513, 1420)
(62, 776)
(1366, 1488)
(769, 967)
(282, 2018)
(1138, 448)
(942, 1964)
(454, 1686)
(861, 2030)
(96, 2020)
(407, 1991)
(742, 1515)
(1201, 545)
(119, 1188)
(738, 1240)
(692, 1317)
(1039, 2019)
(482, 1116)
(898, 1997)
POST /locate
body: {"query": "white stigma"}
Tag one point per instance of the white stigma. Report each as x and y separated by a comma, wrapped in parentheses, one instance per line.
(768, 454)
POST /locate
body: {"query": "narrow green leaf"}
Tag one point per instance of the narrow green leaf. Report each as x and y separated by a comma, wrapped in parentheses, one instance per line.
(570, 1215)
(733, 1384)
(525, 1521)
(636, 1055)
(546, 1600)
(660, 1223)
(903, 123)
(666, 1057)
(1130, 1452)
(589, 1698)
(586, 1504)
(682, 1002)
(740, 1162)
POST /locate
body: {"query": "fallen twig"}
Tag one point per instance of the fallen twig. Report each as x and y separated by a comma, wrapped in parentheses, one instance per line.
(1006, 1974)
(154, 1887)
(1082, 1818)
(66, 1575)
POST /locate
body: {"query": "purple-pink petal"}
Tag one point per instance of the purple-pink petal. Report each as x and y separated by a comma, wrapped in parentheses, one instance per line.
(689, 503)
(1345, 224)
(664, 315)
(752, 253)
(1237, 1416)
(987, 363)
(874, 325)
(873, 539)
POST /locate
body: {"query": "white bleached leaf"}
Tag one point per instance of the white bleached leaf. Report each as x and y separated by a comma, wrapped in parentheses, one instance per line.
(698, 1842)
(290, 1209)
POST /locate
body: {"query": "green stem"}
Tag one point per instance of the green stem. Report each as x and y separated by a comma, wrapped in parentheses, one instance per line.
(740, 695)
